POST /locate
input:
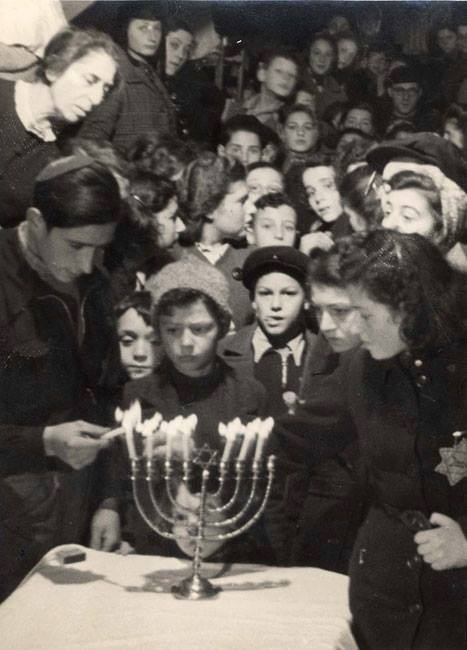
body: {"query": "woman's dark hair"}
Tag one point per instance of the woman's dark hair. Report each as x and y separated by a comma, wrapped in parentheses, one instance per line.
(408, 274)
(102, 151)
(175, 24)
(149, 194)
(323, 268)
(161, 154)
(72, 44)
(458, 114)
(185, 298)
(409, 180)
(358, 193)
(88, 196)
(140, 301)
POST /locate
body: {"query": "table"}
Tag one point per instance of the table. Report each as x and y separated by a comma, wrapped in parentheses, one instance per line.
(113, 601)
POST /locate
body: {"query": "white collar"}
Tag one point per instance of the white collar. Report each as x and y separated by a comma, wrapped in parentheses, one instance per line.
(261, 345)
(38, 126)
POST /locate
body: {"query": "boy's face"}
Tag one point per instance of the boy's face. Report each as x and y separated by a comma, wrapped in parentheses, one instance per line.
(278, 302)
(243, 147)
(274, 227)
(321, 190)
(137, 342)
(280, 77)
(261, 181)
(300, 133)
(359, 118)
(189, 337)
(405, 97)
(335, 316)
(229, 217)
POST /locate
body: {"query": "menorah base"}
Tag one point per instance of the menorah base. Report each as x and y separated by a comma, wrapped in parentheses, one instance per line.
(195, 588)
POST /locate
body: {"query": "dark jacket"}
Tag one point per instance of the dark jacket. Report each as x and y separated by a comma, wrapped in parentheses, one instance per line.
(22, 157)
(405, 410)
(48, 374)
(139, 106)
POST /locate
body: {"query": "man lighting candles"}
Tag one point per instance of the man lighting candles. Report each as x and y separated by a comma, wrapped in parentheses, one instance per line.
(55, 340)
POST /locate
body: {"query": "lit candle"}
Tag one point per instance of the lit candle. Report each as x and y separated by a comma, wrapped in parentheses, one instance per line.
(131, 419)
(248, 440)
(148, 429)
(118, 415)
(265, 429)
(170, 433)
(188, 427)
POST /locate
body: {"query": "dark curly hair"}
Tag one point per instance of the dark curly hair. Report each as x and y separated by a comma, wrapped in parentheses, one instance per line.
(408, 274)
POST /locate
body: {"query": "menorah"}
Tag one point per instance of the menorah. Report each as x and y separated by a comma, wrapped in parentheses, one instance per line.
(220, 513)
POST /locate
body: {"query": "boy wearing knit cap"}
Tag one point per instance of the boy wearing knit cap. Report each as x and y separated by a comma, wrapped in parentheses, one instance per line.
(191, 314)
(275, 347)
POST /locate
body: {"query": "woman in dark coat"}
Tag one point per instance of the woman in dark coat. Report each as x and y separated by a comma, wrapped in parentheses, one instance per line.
(143, 105)
(407, 392)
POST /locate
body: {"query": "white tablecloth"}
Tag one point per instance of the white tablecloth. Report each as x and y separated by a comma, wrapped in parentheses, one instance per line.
(114, 601)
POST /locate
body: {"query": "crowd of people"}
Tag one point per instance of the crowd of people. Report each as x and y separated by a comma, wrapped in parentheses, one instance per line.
(299, 254)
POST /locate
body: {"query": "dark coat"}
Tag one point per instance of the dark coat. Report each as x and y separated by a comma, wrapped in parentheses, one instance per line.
(405, 410)
(138, 107)
(22, 157)
(48, 375)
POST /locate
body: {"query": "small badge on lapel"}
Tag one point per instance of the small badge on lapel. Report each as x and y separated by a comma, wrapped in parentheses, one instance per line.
(454, 459)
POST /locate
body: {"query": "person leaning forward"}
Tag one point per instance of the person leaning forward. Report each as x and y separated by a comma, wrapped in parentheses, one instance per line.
(55, 340)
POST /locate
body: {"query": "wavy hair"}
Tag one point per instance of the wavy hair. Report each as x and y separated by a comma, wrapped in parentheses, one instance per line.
(408, 274)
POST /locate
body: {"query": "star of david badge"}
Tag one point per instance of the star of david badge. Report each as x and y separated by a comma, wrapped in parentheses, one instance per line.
(453, 462)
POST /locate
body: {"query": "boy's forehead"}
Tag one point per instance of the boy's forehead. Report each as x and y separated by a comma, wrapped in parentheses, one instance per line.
(282, 61)
(282, 212)
(245, 137)
(264, 175)
(316, 174)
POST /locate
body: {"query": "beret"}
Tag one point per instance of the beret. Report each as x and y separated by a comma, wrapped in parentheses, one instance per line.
(425, 149)
(191, 273)
(404, 74)
(282, 259)
(63, 166)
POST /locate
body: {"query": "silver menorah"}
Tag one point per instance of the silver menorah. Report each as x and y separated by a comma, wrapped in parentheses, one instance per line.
(233, 490)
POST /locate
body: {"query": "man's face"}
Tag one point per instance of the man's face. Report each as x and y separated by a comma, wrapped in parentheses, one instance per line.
(229, 216)
(189, 337)
(359, 118)
(280, 77)
(81, 86)
(244, 147)
(405, 97)
(137, 344)
(321, 190)
(144, 37)
(274, 227)
(71, 252)
(278, 302)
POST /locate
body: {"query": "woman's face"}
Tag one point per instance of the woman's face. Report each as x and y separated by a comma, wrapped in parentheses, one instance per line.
(229, 216)
(321, 57)
(323, 195)
(335, 316)
(347, 50)
(408, 211)
(177, 50)
(377, 325)
(301, 132)
(82, 85)
(278, 302)
(169, 224)
(446, 40)
(453, 133)
(143, 37)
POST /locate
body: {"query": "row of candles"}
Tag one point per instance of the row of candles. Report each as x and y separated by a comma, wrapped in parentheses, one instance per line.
(248, 437)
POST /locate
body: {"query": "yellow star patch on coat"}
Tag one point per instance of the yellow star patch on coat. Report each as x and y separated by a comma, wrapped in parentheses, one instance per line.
(453, 462)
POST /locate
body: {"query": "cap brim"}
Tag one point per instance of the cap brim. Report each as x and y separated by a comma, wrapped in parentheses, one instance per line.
(380, 156)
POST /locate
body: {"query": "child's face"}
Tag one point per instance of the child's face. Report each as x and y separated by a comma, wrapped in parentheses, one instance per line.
(359, 118)
(274, 227)
(244, 147)
(321, 190)
(321, 57)
(189, 338)
(261, 181)
(229, 216)
(137, 344)
(306, 98)
(335, 316)
(300, 133)
(278, 302)
(347, 50)
(169, 225)
(280, 77)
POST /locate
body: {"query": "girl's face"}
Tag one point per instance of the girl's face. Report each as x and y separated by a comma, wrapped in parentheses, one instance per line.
(169, 224)
(321, 57)
(408, 211)
(347, 50)
(143, 37)
(453, 133)
(323, 195)
(335, 316)
(377, 325)
(137, 342)
(189, 337)
(301, 132)
(177, 50)
(279, 301)
(446, 40)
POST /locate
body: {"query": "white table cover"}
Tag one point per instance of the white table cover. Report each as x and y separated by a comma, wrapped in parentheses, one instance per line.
(114, 601)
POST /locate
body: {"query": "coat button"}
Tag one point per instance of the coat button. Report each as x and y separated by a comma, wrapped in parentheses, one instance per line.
(422, 380)
(414, 609)
(237, 273)
(451, 367)
(414, 561)
(418, 363)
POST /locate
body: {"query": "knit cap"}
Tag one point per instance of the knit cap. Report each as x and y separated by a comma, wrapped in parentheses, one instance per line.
(191, 273)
